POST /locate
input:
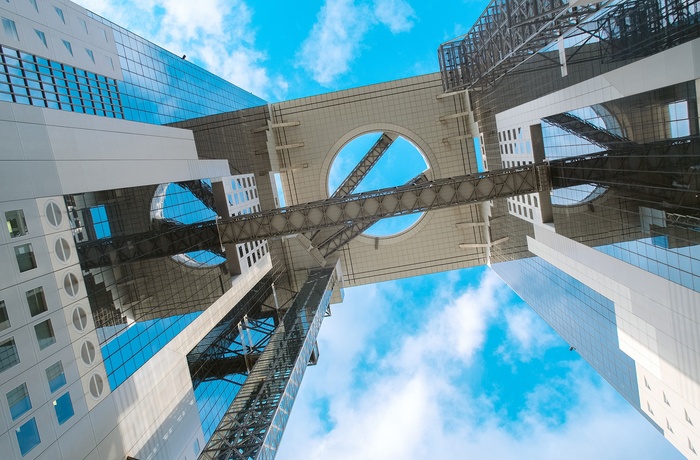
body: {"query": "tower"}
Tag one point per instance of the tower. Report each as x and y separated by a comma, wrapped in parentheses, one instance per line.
(132, 324)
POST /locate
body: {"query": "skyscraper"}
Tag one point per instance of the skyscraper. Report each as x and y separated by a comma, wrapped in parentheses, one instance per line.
(132, 325)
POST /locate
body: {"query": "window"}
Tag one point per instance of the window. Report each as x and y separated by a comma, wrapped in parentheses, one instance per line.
(28, 437)
(55, 376)
(668, 426)
(25, 257)
(8, 354)
(68, 46)
(4, 319)
(16, 224)
(666, 399)
(84, 24)
(10, 28)
(64, 408)
(59, 12)
(18, 400)
(41, 36)
(44, 334)
(36, 7)
(687, 417)
(36, 301)
(90, 54)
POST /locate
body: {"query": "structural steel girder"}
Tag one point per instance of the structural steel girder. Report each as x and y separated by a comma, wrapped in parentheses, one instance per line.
(252, 426)
(364, 166)
(201, 190)
(664, 172)
(346, 234)
(592, 133)
(506, 34)
(388, 202)
(168, 240)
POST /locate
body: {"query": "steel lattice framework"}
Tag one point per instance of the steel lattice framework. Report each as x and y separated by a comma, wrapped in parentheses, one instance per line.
(388, 202)
(592, 133)
(364, 166)
(253, 425)
(346, 234)
(506, 34)
(662, 172)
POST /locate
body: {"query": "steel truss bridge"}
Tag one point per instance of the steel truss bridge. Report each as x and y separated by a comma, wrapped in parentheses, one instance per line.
(663, 172)
(509, 32)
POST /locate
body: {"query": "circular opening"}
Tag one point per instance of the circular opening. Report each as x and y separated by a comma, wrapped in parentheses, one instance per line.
(97, 385)
(87, 353)
(401, 163)
(176, 203)
(79, 319)
(54, 214)
(71, 284)
(62, 248)
(559, 143)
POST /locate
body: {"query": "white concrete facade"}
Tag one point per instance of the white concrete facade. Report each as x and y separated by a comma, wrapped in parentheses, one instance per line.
(47, 154)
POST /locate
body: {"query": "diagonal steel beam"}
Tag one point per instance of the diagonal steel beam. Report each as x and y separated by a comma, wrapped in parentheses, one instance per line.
(351, 182)
(588, 131)
(346, 234)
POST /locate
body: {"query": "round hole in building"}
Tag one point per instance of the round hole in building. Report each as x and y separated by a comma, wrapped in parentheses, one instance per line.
(175, 202)
(71, 284)
(54, 215)
(79, 318)
(97, 385)
(401, 163)
(62, 248)
(88, 352)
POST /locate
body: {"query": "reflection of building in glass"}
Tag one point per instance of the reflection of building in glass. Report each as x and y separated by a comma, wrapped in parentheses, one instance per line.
(132, 325)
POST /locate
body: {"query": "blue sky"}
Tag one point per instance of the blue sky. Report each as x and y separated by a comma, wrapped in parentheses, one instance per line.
(446, 366)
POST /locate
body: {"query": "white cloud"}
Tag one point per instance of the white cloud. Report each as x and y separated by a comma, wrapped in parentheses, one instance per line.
(334, 40)
(217, 34)
(528, 335)
(413, 403)
(397, 15)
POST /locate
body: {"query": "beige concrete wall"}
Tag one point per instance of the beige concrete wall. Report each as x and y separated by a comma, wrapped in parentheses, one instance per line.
(411, 108)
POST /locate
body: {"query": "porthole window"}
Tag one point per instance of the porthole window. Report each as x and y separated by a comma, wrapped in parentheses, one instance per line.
(80, 319)
(88, 352)
(97, 385)
(54, 214)
(71, 284)
(62, 248)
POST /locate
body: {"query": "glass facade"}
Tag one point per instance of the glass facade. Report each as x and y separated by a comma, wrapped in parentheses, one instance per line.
(582, 316)
(140, 305)
(159, 87)
(35, 80)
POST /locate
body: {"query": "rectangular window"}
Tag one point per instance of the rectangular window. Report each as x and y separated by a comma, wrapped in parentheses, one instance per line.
(41, 36)
(28, 437)
(36, 301)
(8, 354)
(10, 28)
(4, 319)
(55, 376)
(44, 334)
(16, 224)
(25, 257)
(64, 408)
(18, 400)
(59, 12)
